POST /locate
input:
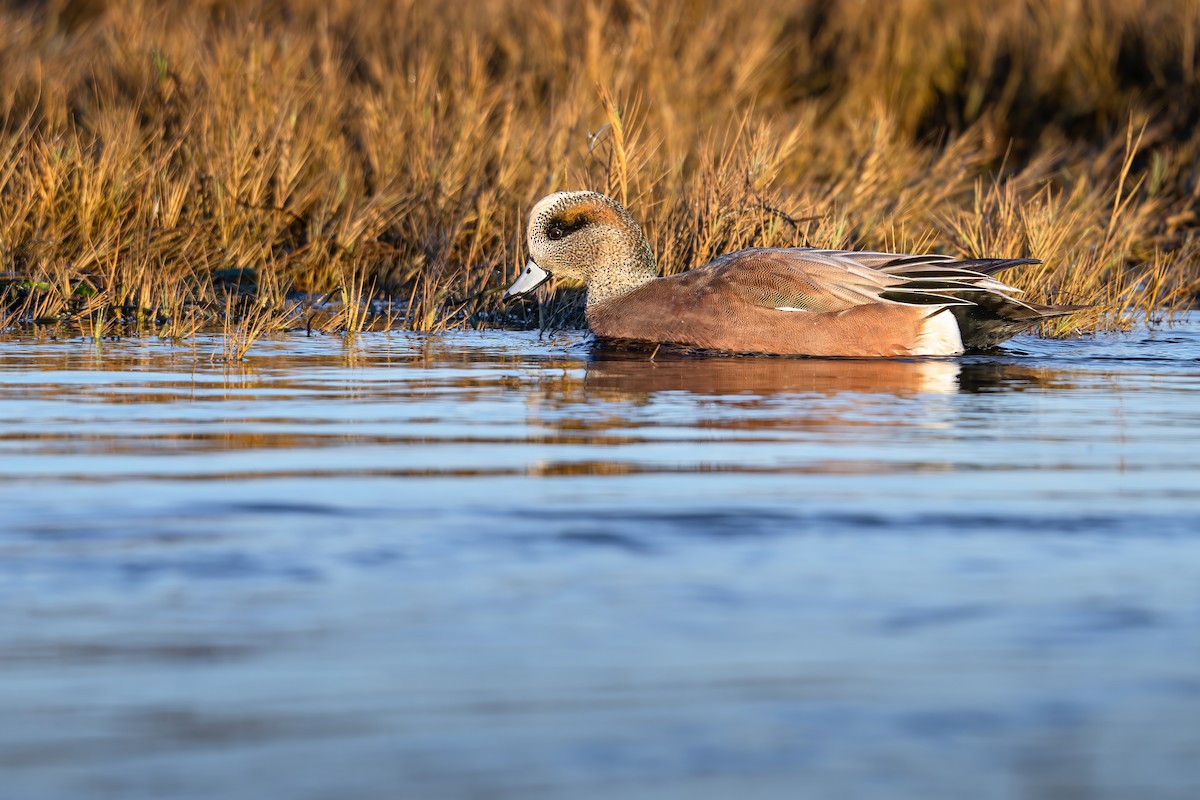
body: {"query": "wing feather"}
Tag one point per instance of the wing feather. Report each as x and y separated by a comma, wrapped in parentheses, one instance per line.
(804, 279)
(810, 280)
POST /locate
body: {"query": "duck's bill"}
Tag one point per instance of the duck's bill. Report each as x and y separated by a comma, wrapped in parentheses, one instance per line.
(532, 277)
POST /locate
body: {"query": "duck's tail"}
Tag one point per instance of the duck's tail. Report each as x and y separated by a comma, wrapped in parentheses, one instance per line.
(986, 310)
(991, 320)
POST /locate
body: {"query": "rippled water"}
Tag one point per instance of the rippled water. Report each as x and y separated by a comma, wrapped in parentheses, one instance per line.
(498, 566)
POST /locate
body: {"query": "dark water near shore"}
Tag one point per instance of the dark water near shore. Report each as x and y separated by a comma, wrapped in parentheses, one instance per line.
(493, 566)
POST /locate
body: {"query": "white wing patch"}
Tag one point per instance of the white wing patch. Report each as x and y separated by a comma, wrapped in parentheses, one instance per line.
(789, 308)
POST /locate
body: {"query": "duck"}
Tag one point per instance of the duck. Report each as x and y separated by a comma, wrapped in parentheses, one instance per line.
(790, 301)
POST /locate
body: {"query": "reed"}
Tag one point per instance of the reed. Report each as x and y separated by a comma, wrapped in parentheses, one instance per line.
(248, 321)
(167, 167)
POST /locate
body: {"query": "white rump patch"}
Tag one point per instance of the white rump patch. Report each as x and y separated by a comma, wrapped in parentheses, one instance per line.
(939, 336)
(789, 308)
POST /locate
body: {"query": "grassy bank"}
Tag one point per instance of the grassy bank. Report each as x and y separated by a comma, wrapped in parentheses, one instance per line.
(176, 165)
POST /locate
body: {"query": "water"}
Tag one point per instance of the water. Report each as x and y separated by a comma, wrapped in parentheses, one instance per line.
(497, 566)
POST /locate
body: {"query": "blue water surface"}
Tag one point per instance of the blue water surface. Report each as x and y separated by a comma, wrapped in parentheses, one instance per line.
(498, 565)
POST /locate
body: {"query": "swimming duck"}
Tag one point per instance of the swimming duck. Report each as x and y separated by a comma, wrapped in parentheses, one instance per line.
(782, 301)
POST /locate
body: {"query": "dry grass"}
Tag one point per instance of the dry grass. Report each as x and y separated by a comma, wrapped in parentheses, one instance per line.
(171, 166)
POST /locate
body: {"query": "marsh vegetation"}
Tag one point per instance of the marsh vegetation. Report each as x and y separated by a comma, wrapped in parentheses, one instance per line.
(167, 167)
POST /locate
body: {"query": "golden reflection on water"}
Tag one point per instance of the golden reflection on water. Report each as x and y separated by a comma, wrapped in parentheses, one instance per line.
(423, 393)
(431, 363)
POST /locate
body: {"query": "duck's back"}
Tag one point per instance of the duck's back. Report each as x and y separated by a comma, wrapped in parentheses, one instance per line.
(797, 301)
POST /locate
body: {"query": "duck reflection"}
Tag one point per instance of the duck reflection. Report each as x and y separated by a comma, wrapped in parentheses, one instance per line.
(621, 375)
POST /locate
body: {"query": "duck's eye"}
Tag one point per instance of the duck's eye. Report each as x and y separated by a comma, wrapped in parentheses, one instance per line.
(555, 233)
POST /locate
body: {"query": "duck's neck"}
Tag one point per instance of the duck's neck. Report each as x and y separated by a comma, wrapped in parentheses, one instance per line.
(639, 269)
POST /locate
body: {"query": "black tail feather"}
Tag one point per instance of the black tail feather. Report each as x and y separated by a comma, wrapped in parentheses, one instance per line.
(987, 313)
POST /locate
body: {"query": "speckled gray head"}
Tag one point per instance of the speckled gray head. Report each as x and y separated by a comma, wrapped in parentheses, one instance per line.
(588, 237)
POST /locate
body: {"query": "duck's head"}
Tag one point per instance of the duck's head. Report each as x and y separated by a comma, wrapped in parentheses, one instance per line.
(588, 237)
